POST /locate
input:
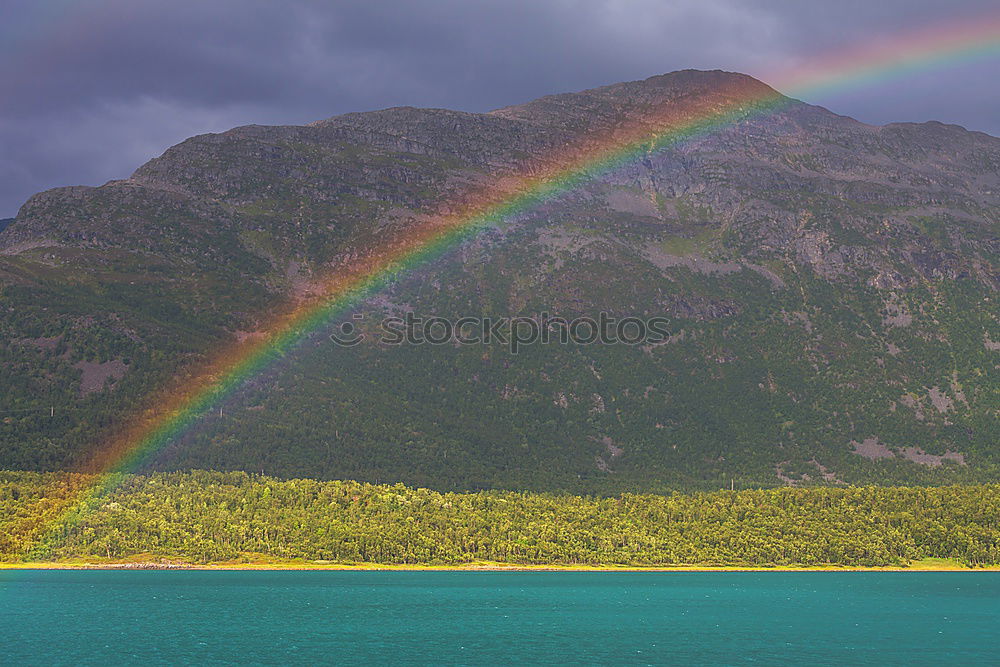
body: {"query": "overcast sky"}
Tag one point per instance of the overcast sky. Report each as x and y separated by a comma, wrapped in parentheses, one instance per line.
(91, 90)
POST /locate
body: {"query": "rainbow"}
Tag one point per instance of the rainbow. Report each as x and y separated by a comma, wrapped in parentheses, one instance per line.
(177, 408)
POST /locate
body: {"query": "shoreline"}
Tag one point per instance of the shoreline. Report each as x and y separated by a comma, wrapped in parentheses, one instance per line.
(927, 565)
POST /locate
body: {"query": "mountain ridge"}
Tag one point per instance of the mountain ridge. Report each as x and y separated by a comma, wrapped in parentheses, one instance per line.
(793, 252)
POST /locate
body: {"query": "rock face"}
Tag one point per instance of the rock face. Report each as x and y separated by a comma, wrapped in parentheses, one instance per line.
(814, 270)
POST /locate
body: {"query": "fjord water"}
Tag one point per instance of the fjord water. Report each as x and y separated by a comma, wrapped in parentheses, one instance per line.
(312, 617)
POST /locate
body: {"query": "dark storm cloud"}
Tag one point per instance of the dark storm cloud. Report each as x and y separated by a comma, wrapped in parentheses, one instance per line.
(88, 91)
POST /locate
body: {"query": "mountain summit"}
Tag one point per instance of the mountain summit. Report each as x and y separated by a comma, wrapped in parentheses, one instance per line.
(830, 286)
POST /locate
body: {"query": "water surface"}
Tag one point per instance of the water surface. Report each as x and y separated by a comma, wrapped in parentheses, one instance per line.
(171, 617)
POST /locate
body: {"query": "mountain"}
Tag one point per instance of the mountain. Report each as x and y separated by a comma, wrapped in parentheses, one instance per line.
(830, 289)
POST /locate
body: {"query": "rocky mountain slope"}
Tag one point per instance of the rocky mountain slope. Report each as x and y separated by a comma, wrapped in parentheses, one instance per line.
(830, 286)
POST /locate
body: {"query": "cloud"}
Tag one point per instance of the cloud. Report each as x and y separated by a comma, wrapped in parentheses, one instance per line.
(92, 90)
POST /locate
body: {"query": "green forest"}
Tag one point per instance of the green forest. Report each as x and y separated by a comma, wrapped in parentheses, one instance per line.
(202, 517)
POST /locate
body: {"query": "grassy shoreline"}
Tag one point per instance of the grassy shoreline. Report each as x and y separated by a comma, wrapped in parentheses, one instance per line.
(926, 565)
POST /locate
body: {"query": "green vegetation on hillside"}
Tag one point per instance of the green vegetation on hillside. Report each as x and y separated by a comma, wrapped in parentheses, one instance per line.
(209, 516)
(766, 386)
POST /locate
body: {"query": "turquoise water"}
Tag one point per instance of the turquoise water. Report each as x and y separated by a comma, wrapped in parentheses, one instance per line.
(484, 618)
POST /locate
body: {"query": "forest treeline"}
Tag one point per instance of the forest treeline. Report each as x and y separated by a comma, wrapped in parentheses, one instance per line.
(213, 516)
